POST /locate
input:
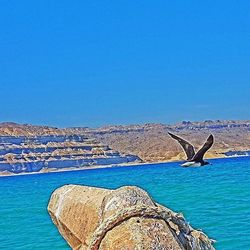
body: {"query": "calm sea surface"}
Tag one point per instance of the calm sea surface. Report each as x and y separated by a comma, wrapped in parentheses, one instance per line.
(213, 198)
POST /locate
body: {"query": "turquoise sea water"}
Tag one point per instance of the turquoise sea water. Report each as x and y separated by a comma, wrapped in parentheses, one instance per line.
(215, 198)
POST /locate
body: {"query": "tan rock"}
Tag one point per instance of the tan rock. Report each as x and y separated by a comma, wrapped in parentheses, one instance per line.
(126, 218)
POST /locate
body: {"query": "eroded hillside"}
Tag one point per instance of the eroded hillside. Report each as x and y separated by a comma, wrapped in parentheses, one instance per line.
(150, 141)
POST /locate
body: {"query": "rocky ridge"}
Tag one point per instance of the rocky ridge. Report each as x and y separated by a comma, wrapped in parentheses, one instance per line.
(151, 142)
(46, 153)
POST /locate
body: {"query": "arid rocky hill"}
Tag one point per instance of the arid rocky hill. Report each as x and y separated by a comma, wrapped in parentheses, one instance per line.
(150, 141)
(15, 129)
(27, 148)
(26, 154)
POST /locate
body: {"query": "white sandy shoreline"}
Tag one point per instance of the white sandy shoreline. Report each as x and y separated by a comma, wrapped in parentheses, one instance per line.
(135, 164)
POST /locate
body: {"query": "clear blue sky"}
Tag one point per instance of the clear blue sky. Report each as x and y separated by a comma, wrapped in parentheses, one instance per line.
(91, 63)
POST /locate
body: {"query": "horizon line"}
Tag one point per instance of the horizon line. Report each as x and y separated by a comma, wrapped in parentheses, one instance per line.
(127, 124)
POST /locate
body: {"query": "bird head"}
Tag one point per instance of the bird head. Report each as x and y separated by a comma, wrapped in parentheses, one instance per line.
(207, 163)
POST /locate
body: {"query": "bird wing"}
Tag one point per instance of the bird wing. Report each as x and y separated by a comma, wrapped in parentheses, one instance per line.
(207, 145)
(188, 148)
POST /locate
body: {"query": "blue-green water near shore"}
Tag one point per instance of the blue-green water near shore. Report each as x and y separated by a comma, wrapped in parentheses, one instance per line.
(214, 198)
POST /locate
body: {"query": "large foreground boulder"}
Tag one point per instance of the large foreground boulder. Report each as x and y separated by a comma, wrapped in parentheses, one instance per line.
(126, 218)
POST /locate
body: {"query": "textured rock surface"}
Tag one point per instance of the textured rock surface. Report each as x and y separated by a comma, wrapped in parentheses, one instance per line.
(126, 218)
(22, 154)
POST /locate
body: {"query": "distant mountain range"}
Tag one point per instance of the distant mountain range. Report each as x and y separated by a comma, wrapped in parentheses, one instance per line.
(151, 142)
(27, 149)
(47, 153)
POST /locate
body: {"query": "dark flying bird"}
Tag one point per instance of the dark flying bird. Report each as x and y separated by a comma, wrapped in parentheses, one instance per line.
(194, 159)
